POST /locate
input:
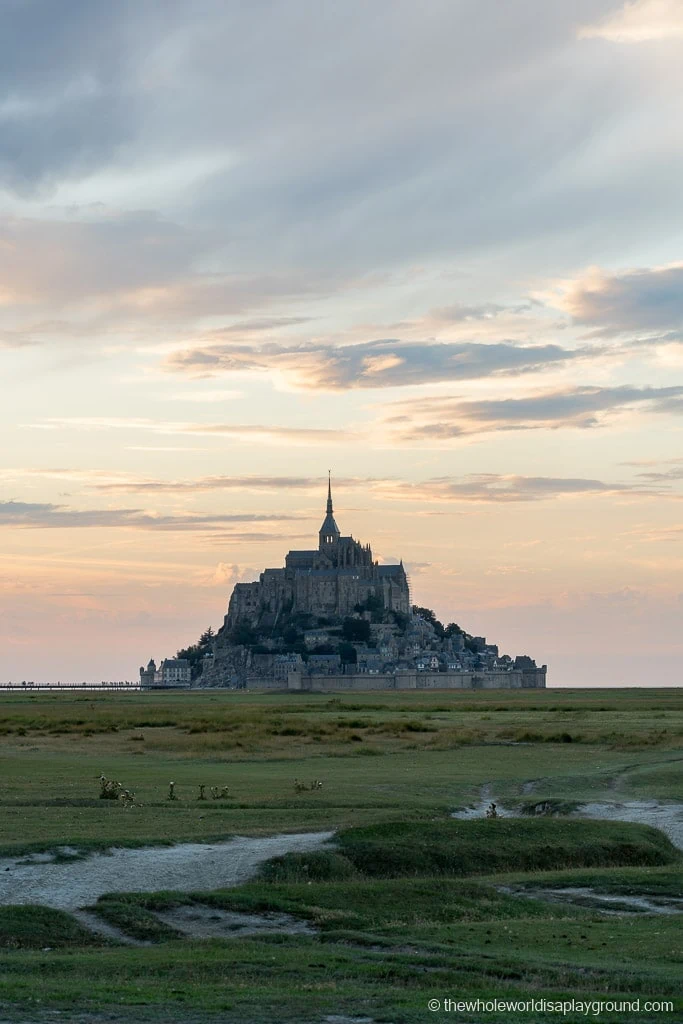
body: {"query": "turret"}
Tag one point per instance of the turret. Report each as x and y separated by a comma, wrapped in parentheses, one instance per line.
(147, 674)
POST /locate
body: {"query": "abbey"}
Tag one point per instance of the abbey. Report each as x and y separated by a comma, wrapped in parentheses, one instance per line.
(332, 618)
(329, 581)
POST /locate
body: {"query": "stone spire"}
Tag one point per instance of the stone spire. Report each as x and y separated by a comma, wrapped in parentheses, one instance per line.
(329, 532)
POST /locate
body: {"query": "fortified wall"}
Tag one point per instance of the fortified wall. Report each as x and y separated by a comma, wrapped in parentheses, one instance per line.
(516, 679)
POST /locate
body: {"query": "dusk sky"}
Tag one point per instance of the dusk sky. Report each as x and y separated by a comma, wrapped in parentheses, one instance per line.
(435, 247)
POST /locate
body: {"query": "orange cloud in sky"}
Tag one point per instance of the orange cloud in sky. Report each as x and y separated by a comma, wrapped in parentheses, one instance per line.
(639, 21)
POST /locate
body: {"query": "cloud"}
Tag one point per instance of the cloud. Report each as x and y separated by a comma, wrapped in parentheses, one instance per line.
(631, 301)
(60, 262)
(105, 269)
(266, 323)
(486, 487)
(660, 475)
(63, 109)
(253, 432)
(38, 515)
(639, 21)
(256, 484)
(580, 407)
(372, 364)
(478, 487)
(500, 488)
(114, 97)
(227, 575)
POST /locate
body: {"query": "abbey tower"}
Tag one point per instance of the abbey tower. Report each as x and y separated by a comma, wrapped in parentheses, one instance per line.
(328, 581)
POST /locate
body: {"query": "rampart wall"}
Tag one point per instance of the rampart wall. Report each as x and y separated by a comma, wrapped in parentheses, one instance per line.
(517, 679)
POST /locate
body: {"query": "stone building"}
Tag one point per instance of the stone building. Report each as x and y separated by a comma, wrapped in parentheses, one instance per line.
(172, 673)
(328, 582)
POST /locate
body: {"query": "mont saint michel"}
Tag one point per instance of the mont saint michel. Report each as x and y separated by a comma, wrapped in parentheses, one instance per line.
(332, 618)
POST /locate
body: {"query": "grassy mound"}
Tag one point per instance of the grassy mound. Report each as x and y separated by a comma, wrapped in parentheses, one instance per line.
(484, 846)
(129, 913)
(32, 927)
(316, 866)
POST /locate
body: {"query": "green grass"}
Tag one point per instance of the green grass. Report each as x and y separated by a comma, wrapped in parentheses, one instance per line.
(300, 982)
(385, 944)
(316, 866)
(485, 846)
(133, 918)
(219, 723)
(34, 927)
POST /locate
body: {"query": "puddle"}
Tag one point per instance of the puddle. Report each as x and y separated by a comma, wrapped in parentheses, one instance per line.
(187, 867)
(203, 922)
(607, 903)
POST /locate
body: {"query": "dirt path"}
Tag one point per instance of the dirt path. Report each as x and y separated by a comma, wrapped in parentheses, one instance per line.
(187, 867)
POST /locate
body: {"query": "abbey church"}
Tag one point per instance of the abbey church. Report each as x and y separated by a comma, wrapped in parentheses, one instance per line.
(329, 581)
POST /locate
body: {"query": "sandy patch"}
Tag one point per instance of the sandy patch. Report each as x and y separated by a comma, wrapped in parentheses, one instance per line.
(186, 867)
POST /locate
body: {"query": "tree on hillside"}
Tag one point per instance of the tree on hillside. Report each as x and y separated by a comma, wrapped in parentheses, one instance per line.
(356, 630)
(428, 615)
(196, 653)
(348, 654)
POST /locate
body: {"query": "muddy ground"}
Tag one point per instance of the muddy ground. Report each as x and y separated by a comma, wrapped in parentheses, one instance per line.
(187, 867)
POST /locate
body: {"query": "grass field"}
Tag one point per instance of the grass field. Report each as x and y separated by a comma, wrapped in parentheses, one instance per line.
(410, 906)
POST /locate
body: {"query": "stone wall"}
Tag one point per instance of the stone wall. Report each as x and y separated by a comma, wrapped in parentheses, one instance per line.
(515, 680)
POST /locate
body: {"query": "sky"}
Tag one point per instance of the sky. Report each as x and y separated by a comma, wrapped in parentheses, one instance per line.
(434, 247)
